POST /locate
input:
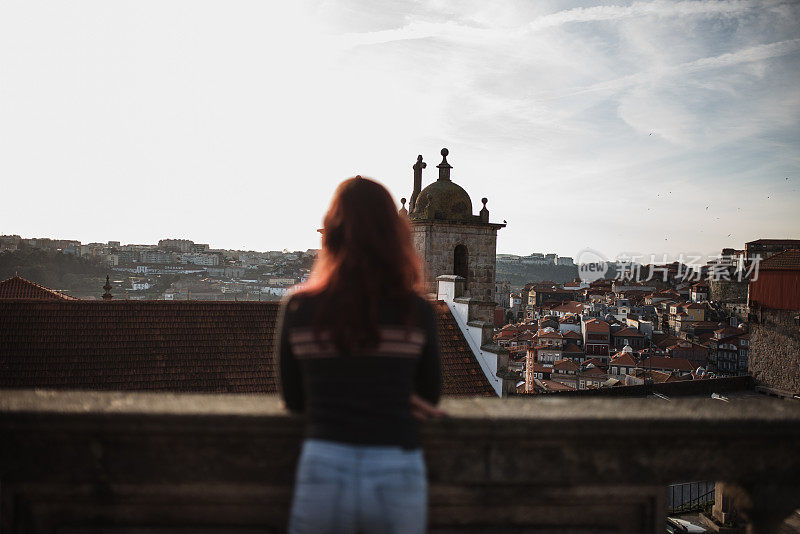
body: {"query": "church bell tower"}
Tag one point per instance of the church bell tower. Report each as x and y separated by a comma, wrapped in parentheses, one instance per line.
(451, 240)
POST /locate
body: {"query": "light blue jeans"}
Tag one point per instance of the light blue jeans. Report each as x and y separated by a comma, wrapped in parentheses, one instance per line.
(342, 488)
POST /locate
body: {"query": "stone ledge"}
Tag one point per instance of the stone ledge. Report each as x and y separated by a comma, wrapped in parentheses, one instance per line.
(529, 409)
(549, 462)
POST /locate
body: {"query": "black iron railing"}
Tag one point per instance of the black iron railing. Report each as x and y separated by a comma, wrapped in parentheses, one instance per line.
(689, 496)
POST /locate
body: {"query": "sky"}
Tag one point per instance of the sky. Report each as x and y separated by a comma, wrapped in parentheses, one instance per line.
(628, 127)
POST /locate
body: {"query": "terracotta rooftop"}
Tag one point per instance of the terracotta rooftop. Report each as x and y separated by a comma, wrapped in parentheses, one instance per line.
(594, 361)
(627, 332)
(461, 372)
(595, 325)
(775, 242)
(624, 359)
(551, 385)
(541, 368)
(565, 365)
(19, 288)
(194, 346)
(569, 307)
(592, 372)
(663, 362)
(786, 260)
(553, 335)
(659, 377)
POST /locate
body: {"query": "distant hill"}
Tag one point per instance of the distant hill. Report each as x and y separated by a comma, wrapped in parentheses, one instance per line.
(63, 272)
(519, 274)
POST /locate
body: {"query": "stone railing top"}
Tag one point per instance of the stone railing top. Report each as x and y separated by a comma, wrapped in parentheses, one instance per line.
(534, 461)
(539, 409)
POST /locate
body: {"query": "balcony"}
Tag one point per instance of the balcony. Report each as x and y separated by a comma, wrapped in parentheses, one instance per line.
(86, 462)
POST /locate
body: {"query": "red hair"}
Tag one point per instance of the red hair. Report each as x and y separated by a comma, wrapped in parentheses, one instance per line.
(367, 257)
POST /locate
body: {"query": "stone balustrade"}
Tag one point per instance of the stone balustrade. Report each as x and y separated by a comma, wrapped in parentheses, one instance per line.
(85, 462)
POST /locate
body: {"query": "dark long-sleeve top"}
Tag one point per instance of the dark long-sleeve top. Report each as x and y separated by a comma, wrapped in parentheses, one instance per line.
(360, 398)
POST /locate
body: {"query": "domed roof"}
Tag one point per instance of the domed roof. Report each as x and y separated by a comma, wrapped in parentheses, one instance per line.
(443, 199)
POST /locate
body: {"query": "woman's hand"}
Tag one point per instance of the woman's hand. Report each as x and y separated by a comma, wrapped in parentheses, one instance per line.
(422, 409)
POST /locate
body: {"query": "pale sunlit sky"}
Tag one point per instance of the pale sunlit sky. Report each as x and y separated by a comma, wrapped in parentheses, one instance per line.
(629, 126)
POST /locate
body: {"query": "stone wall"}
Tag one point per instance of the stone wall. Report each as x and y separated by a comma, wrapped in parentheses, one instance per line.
(109, 462)
(774, 353)
(436, 243)
(727, 291)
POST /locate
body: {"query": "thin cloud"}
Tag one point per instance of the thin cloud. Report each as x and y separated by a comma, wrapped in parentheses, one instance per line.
(459, 32)
(639, 9)
(747, 55)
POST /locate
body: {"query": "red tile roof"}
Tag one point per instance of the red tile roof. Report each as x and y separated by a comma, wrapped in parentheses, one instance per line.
(565, 365)
(552, 385)
(596, 325)
(788, 242)
(571, 334)
(594, 361)
(786, 260)
(541, 368)
(623, 359)
(138, 345)
(592, 372)
(659, 377)
(201, 346)
(461, 372)
(553, 335)
(663, 362)
(19, 288)
(569, 307)
(627, 332)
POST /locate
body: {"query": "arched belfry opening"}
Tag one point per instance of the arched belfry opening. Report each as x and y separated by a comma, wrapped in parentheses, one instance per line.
(461, 262)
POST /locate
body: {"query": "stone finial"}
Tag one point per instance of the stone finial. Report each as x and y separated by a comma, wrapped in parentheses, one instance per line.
(418, 166)
(107, 295)
(444, 167)
(403, 210)
(484, 211)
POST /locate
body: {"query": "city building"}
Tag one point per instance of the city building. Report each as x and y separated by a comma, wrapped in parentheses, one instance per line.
(774, 344)
(596, 339)
(765, 248)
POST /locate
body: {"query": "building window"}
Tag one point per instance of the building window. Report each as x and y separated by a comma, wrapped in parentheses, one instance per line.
(461, 262)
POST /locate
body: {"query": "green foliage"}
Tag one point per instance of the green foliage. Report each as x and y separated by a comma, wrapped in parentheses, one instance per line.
(63, 272)
(518, 274)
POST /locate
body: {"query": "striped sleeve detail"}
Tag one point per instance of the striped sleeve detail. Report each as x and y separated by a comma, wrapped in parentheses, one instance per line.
(394, 341)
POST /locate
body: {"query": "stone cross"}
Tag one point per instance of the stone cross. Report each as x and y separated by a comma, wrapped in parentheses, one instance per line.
(418, 166)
